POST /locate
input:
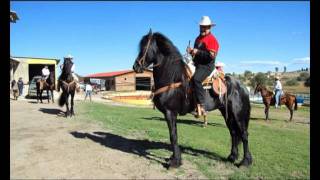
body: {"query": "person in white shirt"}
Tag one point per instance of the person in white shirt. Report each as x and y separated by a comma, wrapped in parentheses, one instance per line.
(88, 90)
(45, 73)
(278, 91)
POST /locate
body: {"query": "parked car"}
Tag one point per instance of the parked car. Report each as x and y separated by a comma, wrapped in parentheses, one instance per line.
(32, 91)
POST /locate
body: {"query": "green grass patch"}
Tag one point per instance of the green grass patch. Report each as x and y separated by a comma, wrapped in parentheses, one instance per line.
(280, 150)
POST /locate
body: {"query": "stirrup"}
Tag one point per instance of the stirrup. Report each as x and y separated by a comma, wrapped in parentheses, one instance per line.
(201, 111)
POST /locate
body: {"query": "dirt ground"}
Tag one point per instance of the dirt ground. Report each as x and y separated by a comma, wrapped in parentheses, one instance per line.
(43, 146)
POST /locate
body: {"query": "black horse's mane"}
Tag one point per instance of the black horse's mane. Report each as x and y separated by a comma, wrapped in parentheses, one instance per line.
(167, 55)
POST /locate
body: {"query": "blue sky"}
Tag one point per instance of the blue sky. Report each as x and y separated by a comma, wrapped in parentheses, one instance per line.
(104, 36)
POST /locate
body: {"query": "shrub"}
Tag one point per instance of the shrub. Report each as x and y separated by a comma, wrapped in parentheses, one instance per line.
(303, 76)
(307, 82)
(292, 82)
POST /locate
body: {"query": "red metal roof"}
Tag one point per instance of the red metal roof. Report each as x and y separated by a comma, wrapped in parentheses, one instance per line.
(109, 74)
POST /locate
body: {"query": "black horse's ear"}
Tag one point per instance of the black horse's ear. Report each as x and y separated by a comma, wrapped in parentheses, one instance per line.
(150, 32)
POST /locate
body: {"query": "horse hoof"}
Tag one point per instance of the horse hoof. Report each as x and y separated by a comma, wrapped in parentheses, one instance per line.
(174, 163)
(246, 162)
(232, 158)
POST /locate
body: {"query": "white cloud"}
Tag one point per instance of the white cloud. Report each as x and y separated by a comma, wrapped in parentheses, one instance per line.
(304, 60)
(260, 63)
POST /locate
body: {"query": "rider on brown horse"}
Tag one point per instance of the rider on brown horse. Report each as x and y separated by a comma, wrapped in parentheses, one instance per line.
(204, 54)
(277, 91)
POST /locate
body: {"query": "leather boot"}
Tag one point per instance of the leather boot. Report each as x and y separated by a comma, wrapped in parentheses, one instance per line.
(58, 86)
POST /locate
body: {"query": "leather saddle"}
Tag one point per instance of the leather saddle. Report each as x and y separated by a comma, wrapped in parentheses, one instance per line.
(215, 80)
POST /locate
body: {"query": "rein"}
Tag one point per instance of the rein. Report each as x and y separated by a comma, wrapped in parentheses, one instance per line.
(167, 88)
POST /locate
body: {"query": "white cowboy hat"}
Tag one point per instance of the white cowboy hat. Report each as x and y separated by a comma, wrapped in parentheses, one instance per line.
(69, 56)
(277, 77)
(205, 21)
(219, 64)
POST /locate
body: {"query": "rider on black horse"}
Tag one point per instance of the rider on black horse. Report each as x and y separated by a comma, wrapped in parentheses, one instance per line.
(72, 71)
(204, 54)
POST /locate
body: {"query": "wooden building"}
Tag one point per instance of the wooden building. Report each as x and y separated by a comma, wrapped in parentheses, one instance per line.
(126, 80)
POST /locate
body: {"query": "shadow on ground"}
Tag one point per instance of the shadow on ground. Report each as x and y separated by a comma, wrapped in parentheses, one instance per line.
(141, 147)
(57, 112)
(188, 121)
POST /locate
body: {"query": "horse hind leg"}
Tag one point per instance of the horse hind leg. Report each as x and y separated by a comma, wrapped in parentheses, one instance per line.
(48, 95)
(291, 111)
(233, 156)
(247, 158)
(235, 140)
(240, 125)
(52, 96)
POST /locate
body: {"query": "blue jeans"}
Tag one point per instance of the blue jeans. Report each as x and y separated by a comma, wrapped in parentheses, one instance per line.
(20, 91)
(88, 93)
(278, 94)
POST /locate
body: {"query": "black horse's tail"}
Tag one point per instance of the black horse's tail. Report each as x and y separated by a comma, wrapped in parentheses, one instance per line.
(295, 103)
(63, 99)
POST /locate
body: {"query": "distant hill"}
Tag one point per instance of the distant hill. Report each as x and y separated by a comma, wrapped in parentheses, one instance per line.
(300, 88)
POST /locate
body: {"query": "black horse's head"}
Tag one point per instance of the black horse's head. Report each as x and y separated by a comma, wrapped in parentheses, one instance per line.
(67, 65)
(146, 53)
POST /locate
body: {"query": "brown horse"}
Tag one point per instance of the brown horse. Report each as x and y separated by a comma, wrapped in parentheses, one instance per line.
(269, 100)
(47, 85)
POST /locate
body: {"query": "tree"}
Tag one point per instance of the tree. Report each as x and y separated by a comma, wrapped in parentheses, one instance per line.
(259, 78)
(277, 69)
(242, 78)
(247, 74)
(284, 69)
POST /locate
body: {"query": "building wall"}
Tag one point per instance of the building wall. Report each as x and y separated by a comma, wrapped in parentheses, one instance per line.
(22, 71)
(146, 74)
(125, 82)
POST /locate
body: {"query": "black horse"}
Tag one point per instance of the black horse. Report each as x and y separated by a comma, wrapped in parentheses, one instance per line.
(48, 85)
(169, 73)
(68, 86)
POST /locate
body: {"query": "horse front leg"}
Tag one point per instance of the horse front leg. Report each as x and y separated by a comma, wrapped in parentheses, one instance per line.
(41, 91)
(52, 96)
(67, 105)
(175, 159)
(72, 103)
(266, 111)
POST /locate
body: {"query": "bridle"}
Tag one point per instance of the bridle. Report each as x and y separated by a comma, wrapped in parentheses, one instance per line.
(142, 60)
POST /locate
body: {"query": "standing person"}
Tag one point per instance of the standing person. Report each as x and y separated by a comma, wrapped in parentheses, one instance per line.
(88, 90)
(204, 54)
(15, 89)
(20, 86)
(277, 90)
